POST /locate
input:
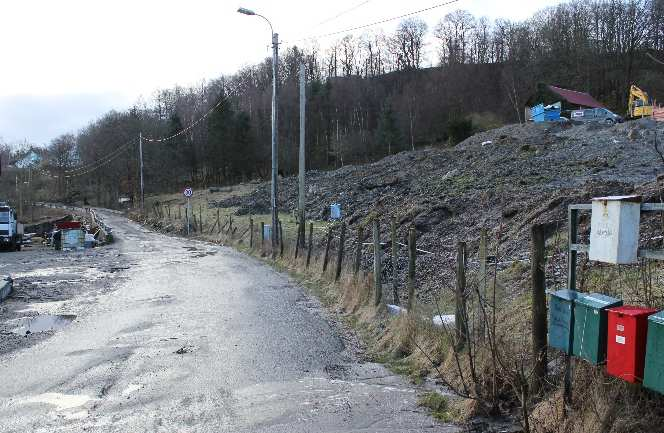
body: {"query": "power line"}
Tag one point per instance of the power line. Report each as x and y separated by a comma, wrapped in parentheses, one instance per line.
(224, 98)
(383, 21)
(110, 155)
(98, 166)
(340, 14)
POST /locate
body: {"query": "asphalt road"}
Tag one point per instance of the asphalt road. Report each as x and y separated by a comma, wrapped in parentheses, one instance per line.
(172, 335)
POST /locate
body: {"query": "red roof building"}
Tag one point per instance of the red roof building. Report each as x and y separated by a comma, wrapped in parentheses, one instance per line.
(576, 98)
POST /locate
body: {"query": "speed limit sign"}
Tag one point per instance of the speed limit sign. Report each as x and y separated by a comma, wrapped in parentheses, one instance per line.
(188, 192)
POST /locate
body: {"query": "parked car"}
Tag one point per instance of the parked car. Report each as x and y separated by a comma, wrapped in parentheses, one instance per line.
(601, 115)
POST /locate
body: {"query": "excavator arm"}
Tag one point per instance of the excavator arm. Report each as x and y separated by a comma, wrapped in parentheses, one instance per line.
(639, 105)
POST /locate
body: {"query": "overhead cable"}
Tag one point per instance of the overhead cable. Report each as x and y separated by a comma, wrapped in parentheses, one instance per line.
(383, 21)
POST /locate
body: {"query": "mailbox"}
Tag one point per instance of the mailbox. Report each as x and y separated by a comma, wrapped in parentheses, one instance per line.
(614, 229)
(561, 319)
(590, 326)
(626, 349)
(653, 376)
(335, 211)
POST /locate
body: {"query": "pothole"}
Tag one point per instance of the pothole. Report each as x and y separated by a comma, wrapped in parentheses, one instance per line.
(43, 323)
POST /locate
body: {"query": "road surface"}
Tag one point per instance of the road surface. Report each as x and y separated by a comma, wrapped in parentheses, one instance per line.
(173, 335)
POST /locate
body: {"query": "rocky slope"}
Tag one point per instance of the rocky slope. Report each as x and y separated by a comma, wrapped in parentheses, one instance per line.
(504, 179)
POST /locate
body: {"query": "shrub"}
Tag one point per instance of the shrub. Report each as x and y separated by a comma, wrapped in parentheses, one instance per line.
(459, 129)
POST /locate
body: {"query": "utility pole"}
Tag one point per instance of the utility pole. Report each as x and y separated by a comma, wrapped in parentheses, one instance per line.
(140, 156)
(303, 101)
(275, 124)
(275, 140)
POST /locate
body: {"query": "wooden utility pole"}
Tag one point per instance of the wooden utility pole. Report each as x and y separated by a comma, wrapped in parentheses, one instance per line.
(378, 288)
(539, 306)
(340, 252)
(393, 236)
(461, 315)
(412, 255)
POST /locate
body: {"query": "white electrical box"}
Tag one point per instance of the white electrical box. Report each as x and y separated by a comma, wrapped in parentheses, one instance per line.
(614, 229)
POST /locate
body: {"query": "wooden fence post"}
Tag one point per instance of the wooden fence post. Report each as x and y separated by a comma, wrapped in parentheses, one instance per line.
(281, 239)
(393, 235)
(358, 250)
(168, 209)
(311, 243)
(200, 218)
(179, 211)
(378, 288)
(481, 287)
(297, 240)
(327, 248)
(412, 255)
(262, 237)
(251, 232)
(538, 306)
(340, 251)
(460, 318)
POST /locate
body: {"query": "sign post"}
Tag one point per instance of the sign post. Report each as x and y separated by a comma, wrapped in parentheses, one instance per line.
(188, 192)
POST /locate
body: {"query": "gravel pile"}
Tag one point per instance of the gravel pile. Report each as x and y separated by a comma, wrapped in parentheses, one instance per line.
(504, 179)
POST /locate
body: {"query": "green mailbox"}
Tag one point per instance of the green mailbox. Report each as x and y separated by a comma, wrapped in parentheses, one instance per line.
(561, 319)
(653, 376)
(590, 326)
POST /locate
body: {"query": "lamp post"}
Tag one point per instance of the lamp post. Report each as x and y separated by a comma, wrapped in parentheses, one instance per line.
(275, 140)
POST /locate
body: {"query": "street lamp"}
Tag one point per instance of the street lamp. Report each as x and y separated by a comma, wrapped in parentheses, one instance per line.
(275, 138)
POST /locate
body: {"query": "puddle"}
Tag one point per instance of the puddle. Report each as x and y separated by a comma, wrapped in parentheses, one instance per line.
(43, 307)
(60, 401)
(131, 388)
(43, 323)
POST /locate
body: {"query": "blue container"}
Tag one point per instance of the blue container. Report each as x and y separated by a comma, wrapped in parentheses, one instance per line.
(267, 231)
(550, 113)
(561, 319)
(335, 211)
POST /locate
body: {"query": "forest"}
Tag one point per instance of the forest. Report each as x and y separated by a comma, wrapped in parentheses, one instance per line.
(368, 95)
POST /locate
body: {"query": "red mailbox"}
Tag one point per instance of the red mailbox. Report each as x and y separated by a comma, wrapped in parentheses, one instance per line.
(626, 349)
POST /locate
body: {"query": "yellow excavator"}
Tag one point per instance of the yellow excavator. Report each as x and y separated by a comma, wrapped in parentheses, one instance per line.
(639, 104)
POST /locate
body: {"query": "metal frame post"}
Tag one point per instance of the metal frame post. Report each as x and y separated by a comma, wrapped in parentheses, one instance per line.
(140, 155)
(303, 102)
(275, 140)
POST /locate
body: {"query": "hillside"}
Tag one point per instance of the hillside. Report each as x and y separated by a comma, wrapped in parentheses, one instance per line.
(504, 179)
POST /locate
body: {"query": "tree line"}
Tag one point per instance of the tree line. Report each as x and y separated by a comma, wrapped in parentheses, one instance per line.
(368, 96)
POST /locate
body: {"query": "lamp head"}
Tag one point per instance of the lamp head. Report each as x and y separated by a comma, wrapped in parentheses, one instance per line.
(246, 11)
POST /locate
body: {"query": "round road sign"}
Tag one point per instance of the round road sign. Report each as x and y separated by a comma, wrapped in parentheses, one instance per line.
(188, 192)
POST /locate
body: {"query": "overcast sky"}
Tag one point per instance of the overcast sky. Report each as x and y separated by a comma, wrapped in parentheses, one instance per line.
(64, 63)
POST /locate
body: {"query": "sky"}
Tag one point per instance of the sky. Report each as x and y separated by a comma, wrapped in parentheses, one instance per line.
(67, 62)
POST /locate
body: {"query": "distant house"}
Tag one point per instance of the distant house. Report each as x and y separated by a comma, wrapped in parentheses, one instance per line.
(30, 160)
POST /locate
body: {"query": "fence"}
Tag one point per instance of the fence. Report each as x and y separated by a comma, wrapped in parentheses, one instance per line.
(489, 301)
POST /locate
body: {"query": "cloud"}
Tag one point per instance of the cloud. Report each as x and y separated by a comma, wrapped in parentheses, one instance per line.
(40, 118)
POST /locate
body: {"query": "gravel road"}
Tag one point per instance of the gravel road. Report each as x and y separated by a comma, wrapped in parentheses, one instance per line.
(158, 334)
